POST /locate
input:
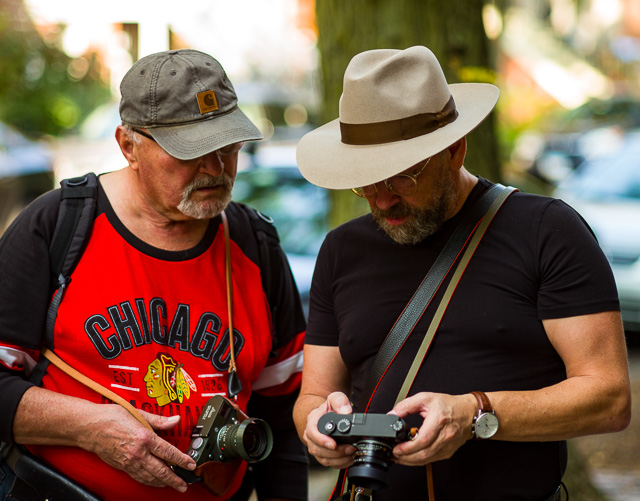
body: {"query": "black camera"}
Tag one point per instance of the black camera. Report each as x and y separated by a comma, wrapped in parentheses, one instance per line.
(373, 436)
(223, 434)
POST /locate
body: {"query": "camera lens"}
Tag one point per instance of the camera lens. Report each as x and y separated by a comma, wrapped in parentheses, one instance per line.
(371, 466)
(251, 440)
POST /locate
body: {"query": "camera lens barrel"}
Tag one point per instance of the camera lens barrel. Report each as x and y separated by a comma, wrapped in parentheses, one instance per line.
(371, 465)
(250, 440)
(374, 436)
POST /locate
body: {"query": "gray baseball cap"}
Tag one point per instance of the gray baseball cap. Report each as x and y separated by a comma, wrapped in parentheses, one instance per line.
(186, 102)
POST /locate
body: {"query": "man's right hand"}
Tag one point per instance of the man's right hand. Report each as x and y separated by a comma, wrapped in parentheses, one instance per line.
(128, 446)
(108, 430)
(324, 448)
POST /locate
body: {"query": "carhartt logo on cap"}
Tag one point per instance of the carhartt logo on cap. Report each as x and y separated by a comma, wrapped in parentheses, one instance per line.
(207, 101)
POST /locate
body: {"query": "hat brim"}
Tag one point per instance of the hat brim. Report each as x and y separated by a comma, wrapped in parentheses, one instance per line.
(186, 142)
(324, 160)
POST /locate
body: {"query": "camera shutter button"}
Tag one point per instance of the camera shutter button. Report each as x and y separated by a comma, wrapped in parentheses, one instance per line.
(344, 425)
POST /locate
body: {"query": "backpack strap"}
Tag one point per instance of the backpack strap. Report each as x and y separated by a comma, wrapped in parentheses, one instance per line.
(268, 243)
(75, 219)
(76, 214)
(73, 227)
(275, 283)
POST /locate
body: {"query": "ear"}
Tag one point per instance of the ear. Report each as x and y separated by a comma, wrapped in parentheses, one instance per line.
(458, 151)
(127, 146)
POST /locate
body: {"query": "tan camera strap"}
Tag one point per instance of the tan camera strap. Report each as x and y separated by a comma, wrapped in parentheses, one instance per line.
(234, 386)
(227, 269)
(97, 387)
(442, 307)
(446, 298)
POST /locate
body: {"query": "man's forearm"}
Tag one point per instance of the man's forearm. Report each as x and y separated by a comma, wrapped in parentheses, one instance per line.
(575, 407)
(46, 417)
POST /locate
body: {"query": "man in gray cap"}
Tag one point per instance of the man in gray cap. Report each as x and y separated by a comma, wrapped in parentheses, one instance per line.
(521, 346)
(178, 296)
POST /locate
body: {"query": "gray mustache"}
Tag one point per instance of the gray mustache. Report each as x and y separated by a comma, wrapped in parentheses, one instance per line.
(208, 182)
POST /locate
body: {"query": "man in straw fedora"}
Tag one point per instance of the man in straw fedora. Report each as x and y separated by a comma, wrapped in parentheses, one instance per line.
(530, 349)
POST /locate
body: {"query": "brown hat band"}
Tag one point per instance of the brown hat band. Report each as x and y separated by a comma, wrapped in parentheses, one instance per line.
(395, 130)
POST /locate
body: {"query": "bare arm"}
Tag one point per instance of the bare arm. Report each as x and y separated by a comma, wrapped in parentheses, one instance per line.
(595, 397)
(325, 384)
(46, 417)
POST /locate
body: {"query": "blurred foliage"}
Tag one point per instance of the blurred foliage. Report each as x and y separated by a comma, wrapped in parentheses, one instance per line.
(42, 90)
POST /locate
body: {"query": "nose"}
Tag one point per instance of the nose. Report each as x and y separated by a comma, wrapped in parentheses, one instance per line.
(384, 199)
(211, 164)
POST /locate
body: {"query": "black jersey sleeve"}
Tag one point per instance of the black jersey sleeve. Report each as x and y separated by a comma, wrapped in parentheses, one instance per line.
(24, 272)
(24, 299)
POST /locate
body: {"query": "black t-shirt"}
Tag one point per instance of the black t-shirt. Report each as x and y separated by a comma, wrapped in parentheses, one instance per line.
(538, 260)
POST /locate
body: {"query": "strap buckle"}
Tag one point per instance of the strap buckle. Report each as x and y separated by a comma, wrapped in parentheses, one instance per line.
(360, 494)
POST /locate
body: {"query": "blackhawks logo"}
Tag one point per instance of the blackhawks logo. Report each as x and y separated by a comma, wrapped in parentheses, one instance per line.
(167, 381)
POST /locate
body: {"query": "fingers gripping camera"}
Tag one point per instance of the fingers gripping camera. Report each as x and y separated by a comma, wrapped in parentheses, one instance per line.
(373, 436)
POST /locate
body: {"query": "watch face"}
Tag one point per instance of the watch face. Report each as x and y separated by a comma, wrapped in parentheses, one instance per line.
(486, 425)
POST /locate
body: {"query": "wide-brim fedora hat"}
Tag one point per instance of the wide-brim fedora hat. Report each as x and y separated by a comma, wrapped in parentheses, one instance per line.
(396, 109)
(186, 102)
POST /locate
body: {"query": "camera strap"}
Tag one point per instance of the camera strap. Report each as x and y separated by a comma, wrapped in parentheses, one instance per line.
(487, 205)
(472, 228)
(234, 386)
(442, 307)
(97, 387)
(496, 203)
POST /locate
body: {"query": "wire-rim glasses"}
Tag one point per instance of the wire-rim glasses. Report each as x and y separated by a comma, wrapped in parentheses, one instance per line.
(403, 185)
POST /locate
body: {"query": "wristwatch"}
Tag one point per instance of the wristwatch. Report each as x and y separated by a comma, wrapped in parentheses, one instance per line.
(485, 422)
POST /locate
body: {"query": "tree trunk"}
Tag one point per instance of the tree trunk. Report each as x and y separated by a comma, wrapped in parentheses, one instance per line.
(453, 30)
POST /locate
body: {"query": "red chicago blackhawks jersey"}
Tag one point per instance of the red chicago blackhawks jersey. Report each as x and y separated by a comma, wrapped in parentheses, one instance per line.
(152, 326)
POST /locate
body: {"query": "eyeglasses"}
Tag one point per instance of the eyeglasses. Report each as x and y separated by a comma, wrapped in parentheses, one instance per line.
(403, 185)
(229, 149)
(143, 133)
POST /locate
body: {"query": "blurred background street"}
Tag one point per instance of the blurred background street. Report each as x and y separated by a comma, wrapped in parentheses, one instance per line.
(614, 459)
(567, 123)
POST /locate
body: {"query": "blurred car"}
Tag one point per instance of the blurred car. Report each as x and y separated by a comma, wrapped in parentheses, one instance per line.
(281, 114)
(26, 171)
(269, 180)
(606, 192)
(594, 129)
(93, 148)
